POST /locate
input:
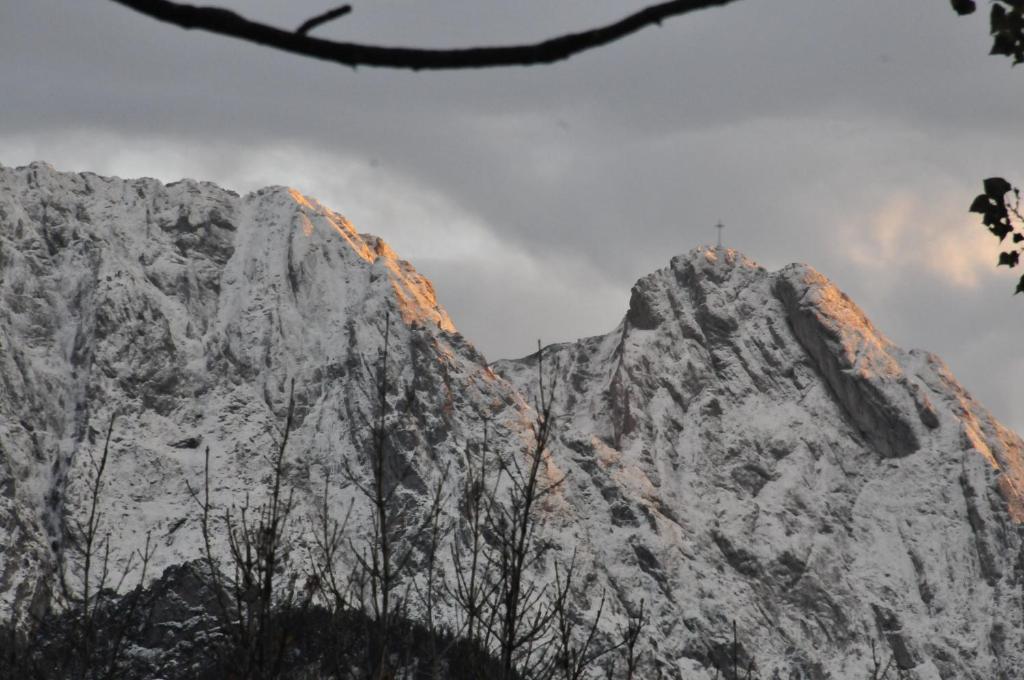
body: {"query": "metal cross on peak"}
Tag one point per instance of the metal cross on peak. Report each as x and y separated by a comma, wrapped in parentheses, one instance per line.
(719, 227)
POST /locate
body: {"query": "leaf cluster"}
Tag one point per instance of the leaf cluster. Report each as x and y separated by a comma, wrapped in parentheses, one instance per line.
(1006, 24)
(999, 207)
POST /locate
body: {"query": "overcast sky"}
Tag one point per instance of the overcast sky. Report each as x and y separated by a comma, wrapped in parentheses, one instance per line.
(848, 135)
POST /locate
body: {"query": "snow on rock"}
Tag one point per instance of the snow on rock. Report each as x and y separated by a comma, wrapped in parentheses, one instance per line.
(187, 311)
(745, 446)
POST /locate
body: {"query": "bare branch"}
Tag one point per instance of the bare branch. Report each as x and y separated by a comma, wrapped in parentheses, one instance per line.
(226, 22)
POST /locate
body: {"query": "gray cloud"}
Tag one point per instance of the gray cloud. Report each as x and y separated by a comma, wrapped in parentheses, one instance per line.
(847, 135)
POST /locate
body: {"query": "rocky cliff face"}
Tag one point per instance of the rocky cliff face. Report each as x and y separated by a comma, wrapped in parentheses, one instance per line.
(187, 311)
(744, 446)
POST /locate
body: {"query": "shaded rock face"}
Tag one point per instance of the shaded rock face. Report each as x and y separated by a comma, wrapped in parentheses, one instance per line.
(744, 446)
(857, 362)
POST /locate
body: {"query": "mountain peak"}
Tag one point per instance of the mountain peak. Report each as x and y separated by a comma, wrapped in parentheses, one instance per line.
(707, 272)
(276, 224)
(715, 256)
(763, 422)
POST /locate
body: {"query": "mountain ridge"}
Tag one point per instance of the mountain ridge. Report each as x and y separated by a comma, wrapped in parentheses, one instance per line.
(745, 446)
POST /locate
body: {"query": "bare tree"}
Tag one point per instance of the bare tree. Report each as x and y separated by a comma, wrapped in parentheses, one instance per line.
(475, 583)
(532, 629)
(386, 558)
(432, 589)
(630, 638)
(628, 646)
(249, 593)
(89, 582)
(524, 614)
(377, 558)
(324, 564)
(78, 634)
(577, 654)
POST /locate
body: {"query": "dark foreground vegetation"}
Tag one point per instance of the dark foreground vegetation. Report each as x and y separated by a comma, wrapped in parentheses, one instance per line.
(174, 631)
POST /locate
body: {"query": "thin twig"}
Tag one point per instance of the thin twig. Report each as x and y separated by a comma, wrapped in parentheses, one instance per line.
(319, 19)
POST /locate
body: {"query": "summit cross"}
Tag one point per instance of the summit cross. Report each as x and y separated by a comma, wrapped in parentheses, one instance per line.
(719, 227)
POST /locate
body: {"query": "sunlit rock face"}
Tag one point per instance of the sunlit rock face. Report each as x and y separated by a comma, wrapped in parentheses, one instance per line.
(744, 446)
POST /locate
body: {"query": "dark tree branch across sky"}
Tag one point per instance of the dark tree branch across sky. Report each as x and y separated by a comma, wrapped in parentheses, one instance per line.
(1007, 27)
(226, 22)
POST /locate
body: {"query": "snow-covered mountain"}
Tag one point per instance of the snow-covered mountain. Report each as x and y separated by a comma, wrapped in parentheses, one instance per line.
(744, 446)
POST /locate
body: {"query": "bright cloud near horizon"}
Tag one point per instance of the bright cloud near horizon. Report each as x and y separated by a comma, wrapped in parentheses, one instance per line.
(851, 136)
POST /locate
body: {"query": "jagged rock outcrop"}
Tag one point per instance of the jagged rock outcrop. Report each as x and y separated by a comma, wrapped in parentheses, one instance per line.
(744, 446)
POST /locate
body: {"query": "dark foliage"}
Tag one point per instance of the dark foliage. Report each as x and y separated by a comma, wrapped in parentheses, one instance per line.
(999, 207)
(1006, 24)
